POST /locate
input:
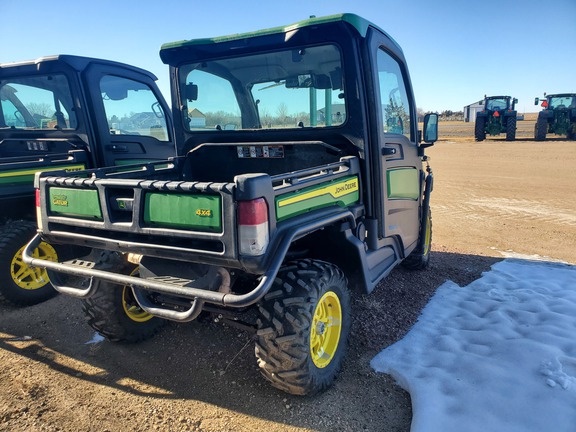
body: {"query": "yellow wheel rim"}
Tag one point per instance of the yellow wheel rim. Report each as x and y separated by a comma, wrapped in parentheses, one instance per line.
(134, 312)
(130, 305)
(32, 278)
(326, 329)
(427, 237)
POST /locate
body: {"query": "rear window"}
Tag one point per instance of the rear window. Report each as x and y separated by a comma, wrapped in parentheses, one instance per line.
(293, 88)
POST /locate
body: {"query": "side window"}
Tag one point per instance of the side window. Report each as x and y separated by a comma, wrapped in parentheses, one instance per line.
(395, 105)
(37, 102)
(132, 108)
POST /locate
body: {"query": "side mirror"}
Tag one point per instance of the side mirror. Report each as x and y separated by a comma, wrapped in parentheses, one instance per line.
(536, 100)
(514, 101)
(431, 128)
(191, 92)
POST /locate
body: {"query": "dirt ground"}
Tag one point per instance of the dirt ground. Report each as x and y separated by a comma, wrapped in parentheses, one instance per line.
(490, 199)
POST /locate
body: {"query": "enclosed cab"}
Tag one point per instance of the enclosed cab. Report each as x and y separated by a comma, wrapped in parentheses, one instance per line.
(301, 178)
(72, 113)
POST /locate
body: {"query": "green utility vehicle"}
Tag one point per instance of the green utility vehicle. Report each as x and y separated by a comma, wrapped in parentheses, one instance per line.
(72, 113)
(557, 117)
(498, 116)
(300, 178)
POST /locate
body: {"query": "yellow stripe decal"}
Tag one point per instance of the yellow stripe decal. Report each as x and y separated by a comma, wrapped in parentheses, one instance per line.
(34, 171)
(336, 190)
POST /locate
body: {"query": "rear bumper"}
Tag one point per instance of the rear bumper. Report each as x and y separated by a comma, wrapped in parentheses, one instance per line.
(104, 270)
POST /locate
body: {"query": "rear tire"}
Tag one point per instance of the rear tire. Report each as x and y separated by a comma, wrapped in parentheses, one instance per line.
(419, 259)
(21, 284)
(540, 129)
(480, 129)
(304, 326)
(511, 128)
(114, 313)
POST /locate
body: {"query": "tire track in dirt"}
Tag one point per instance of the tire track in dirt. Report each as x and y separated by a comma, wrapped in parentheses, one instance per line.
(508, 209)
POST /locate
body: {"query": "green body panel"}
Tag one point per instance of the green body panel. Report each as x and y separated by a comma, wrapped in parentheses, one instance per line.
(82, 203)
(342, 192)
(200, 212)
(359, 23)
(403, 183)
(18, 177)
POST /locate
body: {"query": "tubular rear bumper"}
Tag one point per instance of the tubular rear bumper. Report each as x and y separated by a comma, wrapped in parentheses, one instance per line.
(100, 270)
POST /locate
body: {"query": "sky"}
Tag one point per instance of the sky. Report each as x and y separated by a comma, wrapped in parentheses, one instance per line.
(457, 50)
(496, 355)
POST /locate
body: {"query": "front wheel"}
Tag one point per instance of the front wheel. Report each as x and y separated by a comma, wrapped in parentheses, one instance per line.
(21, 284)
(114, 313)
(303, 327)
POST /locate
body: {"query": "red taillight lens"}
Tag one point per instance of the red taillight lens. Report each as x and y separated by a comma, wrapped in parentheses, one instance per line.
(253, 212)
(545, 104)
(37, 197)
(253, 235)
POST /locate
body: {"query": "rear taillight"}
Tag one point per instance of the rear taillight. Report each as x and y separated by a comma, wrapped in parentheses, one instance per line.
(253, 235)
(38, 212)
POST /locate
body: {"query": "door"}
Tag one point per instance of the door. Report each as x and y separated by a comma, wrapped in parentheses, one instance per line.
(400, 164)
(131, 119)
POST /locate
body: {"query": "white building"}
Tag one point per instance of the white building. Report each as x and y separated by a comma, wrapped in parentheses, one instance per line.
(471, 110)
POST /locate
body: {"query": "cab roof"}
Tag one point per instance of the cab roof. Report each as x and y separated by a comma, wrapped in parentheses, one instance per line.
(78, 63)
(360, 24)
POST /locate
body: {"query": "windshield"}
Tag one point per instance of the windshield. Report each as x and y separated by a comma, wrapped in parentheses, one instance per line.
(37, 102)
(562, 102)
(496, 104)
(283, 89)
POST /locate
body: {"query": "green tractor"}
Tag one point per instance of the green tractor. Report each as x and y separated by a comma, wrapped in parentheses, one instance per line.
(557, 117)
(498, 116)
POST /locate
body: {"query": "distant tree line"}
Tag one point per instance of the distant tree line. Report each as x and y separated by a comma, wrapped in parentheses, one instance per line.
(445, 115)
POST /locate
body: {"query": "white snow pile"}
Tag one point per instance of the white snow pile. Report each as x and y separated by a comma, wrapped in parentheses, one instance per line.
(496, 355)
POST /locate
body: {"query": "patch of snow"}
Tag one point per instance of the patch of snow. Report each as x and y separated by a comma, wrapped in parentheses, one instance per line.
(496, 355)
(97, 338)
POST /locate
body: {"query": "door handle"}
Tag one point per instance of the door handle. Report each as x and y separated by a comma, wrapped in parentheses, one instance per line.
(117, 148)
(388, 151)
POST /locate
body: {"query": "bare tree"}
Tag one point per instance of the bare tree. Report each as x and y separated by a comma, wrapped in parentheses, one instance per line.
(282, 113)
(41, 108)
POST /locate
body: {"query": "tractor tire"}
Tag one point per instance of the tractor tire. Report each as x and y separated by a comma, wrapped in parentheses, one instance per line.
(21, 284)
(480, 129)
(511, 128)
(540, 129)
(114, 313)
(303, 327)
(419, 259)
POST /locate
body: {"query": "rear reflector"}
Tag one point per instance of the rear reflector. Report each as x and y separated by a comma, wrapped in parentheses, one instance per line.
(253, 235)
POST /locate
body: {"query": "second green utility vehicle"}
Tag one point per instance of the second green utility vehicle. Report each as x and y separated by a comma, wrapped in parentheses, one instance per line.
(302, 179)
(72, 113)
